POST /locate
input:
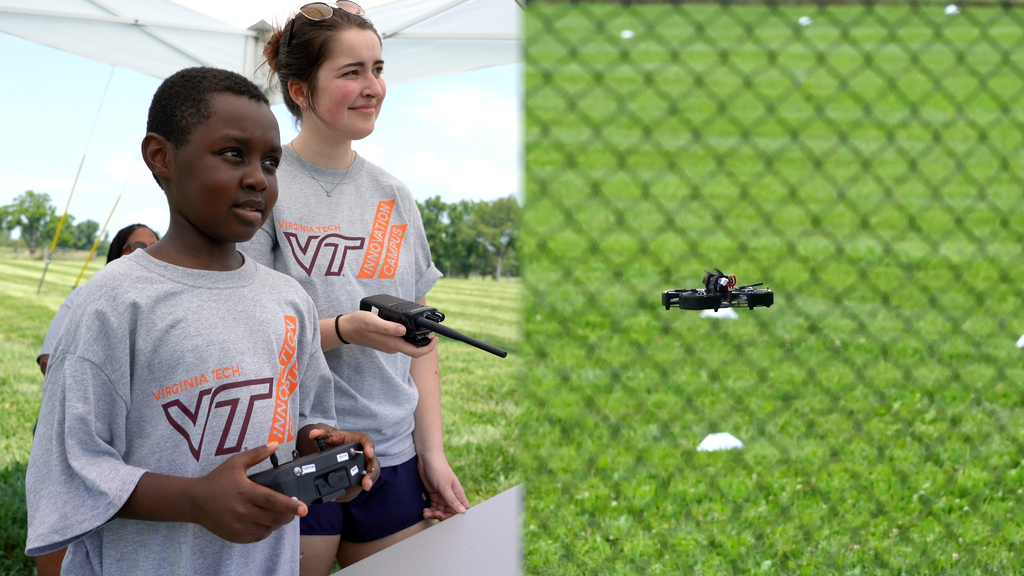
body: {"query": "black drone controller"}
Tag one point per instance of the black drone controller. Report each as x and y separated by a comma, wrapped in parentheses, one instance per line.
(316, 478)
(720, 291)
(419, 321)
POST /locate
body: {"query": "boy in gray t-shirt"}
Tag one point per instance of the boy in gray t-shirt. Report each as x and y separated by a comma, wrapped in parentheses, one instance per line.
(183, 366)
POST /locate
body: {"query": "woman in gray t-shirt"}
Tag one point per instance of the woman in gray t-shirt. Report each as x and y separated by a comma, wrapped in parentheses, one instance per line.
(344, 229)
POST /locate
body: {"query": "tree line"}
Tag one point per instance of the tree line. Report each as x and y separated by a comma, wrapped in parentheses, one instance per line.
(36, 219)
(469, 238)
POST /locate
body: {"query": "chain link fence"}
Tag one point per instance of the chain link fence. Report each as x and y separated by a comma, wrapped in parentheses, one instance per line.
(860, 159)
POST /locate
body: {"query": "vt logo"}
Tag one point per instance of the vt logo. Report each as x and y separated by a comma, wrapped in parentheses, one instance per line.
(230, 404)
(382, 251)
(306, 253)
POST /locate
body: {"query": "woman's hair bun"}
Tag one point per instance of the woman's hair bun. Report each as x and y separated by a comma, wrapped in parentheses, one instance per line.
(272, 48)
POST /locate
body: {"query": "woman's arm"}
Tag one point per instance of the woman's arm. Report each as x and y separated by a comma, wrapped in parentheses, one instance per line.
(447, 497)
(363, 328)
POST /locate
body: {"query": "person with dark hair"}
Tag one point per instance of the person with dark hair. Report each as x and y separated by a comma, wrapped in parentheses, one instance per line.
(127, 240)
(184, 365)
(345, 229)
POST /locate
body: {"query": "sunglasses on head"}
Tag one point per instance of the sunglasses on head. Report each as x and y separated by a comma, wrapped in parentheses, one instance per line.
(316, 11)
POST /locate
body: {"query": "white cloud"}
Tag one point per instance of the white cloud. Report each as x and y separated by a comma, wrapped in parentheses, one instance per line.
(371, 152)
(485, 179)
(478, 180)
(121, 166)
(16, 183)
(425, 166)
(91, 199)
(156, 217)
(466, 109)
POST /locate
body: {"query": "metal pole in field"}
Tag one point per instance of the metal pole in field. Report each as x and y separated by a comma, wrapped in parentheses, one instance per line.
(60, 226)
(99, 237)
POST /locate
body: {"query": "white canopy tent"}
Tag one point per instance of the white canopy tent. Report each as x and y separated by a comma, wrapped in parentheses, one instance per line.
(422, 38)
(154, 37)
(425, 38)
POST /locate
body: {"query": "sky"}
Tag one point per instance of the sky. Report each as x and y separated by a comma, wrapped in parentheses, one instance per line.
(456, 136)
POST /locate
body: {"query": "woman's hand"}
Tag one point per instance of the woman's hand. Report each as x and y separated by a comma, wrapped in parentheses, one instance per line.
(364, 328)
(447, 498)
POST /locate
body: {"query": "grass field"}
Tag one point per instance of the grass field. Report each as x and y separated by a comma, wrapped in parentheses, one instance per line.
(477, 388)
(866, 168)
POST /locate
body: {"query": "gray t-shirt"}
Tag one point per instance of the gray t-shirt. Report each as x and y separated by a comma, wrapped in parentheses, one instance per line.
(169, 370)
(365, 238)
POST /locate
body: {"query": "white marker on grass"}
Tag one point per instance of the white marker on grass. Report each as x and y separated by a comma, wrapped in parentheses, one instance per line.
(727, 313)
(719, 441)
(952, 10)
(805, 21)
(626, 34)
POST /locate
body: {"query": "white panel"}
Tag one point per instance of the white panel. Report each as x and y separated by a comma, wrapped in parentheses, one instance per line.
(473, 17)
(485, 541)
(438, 36)
(408, 60)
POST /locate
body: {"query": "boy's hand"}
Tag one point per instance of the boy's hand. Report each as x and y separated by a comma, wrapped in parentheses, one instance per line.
(335, 437)
(236, 508)
(367, 329)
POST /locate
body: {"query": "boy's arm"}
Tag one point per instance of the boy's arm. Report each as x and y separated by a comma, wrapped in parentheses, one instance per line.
(225, 501)
(76, 478)
(447, 497)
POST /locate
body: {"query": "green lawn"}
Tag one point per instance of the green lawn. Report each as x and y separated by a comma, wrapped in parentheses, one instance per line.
(24, 317)
(865, 168)
(477, 388)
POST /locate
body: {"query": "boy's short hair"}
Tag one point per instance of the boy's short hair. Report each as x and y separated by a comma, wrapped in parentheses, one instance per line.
(182, 102)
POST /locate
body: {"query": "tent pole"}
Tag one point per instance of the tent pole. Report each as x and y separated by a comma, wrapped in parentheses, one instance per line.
(99, 236)
(60, 226)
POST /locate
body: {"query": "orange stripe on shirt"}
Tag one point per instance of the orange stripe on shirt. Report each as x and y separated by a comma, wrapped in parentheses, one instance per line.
(282, 428)
(377, 240)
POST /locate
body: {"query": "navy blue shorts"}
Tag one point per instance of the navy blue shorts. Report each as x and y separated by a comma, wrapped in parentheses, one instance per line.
(395, 502)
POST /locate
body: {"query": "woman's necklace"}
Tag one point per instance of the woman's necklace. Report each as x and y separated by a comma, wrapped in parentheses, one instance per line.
(314, 178)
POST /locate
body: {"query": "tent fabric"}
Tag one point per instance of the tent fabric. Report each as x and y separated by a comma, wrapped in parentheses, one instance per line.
(425, 38)
(422, 38)
(154, 37)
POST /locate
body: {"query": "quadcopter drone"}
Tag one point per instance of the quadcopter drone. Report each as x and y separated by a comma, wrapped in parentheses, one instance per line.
(720, 291)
